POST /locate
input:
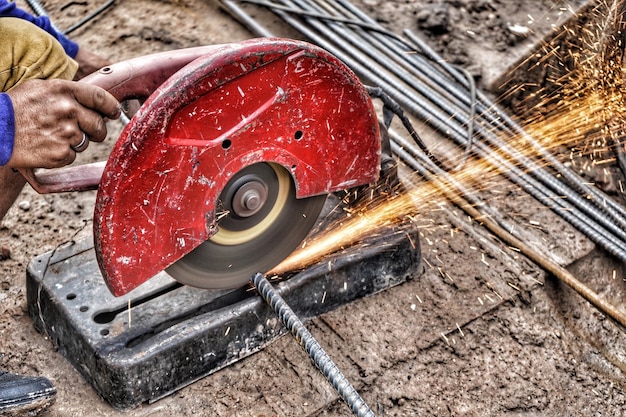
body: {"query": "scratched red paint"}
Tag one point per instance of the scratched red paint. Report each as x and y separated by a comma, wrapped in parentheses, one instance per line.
(263, 100)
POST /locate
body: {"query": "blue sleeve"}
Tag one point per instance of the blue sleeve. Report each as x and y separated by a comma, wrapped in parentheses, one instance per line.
(9, 9)
(7, 128)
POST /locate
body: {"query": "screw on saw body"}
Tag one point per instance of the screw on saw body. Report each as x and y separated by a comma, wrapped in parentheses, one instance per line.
(319, 357)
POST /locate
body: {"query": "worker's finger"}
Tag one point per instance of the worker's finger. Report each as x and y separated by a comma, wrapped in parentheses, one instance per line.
(92, 124)
(97, 99)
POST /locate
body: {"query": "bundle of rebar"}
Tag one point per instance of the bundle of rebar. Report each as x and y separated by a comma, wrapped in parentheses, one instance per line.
(443, 97)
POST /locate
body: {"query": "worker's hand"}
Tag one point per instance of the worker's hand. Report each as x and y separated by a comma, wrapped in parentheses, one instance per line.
(52, 116)
(88, 62)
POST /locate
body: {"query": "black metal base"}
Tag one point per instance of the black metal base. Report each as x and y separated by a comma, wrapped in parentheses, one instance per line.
(163, 336)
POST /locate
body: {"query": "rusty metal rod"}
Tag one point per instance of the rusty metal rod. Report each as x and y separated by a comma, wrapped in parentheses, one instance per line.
(494, 118)
(607, 241)
(306, 340)
(615, 211)
(492, 114)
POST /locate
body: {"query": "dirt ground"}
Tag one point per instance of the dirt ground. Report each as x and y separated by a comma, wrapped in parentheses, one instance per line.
(479, 331)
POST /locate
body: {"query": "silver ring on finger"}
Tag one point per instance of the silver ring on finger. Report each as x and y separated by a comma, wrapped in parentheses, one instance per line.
(82, 145)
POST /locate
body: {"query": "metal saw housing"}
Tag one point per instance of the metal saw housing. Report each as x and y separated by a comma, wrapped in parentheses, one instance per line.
(280, 101)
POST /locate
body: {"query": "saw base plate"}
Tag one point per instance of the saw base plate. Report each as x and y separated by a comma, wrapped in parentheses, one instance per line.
(163, 336)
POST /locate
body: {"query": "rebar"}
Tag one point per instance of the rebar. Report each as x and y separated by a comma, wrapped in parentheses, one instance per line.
(39, 10)
(306, 340)
(495, 117)
(611, 244)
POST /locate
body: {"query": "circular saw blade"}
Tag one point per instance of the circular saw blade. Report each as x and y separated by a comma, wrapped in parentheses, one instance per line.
(263, 223)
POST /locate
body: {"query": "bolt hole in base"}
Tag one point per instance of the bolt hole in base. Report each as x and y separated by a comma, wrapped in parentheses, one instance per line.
(265, 223)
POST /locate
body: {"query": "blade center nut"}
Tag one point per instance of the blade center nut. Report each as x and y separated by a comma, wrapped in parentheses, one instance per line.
(249, 198)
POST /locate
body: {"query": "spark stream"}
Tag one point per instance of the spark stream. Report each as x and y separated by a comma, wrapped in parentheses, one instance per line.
(581, 120)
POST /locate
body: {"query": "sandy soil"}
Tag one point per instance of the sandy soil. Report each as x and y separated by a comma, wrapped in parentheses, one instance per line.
(482, 331)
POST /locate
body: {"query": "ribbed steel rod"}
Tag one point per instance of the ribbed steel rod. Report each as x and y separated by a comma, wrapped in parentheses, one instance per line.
(321, 359)
(384, 47)
(492, 115)
(549, 180)
(37, 7)
(615, 210)
(411, 155)
(552, 199)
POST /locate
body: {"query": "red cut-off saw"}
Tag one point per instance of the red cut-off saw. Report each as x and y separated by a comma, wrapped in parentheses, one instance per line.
(225, 168)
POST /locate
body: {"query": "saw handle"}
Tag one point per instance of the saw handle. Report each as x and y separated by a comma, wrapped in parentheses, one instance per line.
(75, 178)
(136, 78)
